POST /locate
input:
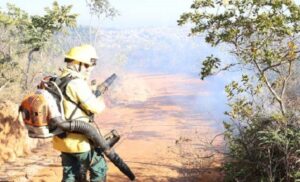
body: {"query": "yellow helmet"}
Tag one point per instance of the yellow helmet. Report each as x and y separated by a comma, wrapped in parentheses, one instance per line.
(84, 53)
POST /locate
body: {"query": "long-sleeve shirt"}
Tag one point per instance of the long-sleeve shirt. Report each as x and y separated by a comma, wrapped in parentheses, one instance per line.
(79, 92)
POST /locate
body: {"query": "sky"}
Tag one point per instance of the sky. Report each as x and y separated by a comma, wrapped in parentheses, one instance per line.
(133, 13)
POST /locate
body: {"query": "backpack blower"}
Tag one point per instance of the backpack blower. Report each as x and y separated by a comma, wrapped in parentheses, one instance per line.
(43, 115)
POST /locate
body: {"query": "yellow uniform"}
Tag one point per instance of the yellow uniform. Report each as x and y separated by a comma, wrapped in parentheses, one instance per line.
(79, 92)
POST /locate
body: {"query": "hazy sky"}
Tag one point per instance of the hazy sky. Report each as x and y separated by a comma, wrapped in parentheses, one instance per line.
(133, 13)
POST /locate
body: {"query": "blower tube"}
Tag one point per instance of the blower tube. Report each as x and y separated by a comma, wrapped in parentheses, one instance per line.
(99, 142)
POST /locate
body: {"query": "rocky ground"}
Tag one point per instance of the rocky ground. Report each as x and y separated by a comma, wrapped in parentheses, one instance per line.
(164, 138)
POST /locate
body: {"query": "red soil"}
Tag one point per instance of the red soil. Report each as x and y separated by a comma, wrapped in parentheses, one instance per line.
(157, 132)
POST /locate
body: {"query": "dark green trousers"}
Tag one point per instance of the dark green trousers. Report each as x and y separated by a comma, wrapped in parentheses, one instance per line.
(76, 166)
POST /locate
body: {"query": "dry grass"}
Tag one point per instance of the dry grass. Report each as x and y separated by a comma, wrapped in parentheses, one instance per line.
(201, 156)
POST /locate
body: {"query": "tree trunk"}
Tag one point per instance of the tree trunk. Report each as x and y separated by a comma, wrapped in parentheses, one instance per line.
(28, 65)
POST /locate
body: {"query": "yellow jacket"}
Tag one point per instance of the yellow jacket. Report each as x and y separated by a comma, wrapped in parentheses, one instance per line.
(78, 91)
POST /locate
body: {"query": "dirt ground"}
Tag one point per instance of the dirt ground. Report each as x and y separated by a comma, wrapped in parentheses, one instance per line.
(153, 114)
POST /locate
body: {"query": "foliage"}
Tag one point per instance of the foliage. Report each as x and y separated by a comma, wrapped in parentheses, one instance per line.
(208, 65)
(264, 149)
(24, 34)
(12, 24)
(98, 9)
(20, 36)
(101, 7)
(40, 29)
(263, 137)
(262, 35)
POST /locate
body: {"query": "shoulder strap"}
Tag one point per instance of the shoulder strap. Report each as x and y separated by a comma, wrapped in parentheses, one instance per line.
(62, 84)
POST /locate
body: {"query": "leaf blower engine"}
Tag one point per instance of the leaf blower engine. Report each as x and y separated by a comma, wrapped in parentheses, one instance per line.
(38, 111)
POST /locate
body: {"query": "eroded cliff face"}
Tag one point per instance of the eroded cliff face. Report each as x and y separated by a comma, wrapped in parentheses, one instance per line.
(14, 140)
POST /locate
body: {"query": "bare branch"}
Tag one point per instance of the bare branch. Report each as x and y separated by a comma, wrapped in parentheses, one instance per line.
(4, 85)
(273, 66)
(273, 92)
(227, 67)
(286, 80)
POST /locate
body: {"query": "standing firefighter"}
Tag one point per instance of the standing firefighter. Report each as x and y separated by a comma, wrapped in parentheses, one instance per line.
(78, 156)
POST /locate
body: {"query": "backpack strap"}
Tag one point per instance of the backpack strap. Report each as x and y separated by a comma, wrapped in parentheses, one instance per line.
(62, 84)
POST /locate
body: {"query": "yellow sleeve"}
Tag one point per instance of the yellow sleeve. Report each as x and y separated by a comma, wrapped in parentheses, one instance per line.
(78, 90)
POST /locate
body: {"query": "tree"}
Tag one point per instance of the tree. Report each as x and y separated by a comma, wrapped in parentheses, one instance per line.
(262, 34)
(21, 35)
(263, 37)
(40, 29)
(12, 25)
(99, 9)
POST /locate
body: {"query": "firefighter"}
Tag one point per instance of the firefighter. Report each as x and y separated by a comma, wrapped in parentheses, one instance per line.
(80, 103)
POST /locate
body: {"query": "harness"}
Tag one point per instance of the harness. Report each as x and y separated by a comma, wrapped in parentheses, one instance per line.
(62, 83)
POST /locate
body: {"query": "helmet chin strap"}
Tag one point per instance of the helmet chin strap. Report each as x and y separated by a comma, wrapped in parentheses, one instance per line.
(80, 66)
(74, 67)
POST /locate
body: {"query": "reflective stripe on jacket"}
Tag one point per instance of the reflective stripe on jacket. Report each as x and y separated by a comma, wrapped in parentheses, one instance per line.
(79, 92)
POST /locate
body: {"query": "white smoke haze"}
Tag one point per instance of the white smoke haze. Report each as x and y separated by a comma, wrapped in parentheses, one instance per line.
(161, 52)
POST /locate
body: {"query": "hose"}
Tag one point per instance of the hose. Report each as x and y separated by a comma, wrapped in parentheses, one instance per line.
(98, 140)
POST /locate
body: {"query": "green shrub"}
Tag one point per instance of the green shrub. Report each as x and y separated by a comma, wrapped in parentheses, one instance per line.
(265, 150)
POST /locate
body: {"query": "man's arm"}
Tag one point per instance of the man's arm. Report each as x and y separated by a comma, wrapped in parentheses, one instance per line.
(79, 89)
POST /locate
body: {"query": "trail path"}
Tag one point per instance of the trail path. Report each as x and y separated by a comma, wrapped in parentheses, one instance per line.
(150, 121)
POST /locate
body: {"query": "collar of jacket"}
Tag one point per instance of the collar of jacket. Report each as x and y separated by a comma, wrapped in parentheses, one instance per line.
(67, 71)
